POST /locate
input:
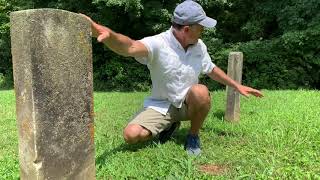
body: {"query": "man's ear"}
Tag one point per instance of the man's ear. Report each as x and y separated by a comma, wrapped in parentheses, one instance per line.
(186, 29)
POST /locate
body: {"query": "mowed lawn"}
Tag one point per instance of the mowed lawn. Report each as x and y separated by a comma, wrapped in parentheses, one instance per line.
(278, 137)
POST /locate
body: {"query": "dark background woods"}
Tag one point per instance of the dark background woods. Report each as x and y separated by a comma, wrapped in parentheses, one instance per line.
(279, 39)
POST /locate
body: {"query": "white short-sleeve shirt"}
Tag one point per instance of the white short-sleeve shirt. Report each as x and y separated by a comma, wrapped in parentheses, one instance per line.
(173, 70)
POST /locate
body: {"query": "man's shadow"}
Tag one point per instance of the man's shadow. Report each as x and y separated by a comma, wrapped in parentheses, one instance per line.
(124, 147)
(179, 138)
(219, 114)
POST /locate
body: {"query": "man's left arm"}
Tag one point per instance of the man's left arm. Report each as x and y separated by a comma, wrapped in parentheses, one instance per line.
(218, 75)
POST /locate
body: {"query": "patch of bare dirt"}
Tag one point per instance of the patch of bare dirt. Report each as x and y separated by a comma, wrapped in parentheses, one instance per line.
(213, 169)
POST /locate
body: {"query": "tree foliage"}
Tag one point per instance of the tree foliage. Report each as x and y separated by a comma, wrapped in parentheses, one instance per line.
(279, 39)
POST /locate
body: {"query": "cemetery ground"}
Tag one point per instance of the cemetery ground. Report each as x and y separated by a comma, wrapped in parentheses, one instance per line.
(277, 137)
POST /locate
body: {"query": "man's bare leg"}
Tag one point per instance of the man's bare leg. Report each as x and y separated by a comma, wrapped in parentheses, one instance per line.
(135, 133)
(198, 101)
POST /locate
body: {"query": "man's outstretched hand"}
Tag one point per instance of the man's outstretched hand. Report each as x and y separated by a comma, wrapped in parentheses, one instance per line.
(246, 91)
(100, 32)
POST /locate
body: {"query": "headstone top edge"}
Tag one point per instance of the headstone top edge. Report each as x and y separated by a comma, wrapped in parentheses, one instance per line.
(44, 11)
(236, 52)
(41, 10)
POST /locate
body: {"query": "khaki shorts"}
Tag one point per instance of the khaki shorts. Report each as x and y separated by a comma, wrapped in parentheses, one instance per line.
(156, 122)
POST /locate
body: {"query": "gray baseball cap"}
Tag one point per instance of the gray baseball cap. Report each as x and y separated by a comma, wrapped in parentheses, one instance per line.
(190, 12)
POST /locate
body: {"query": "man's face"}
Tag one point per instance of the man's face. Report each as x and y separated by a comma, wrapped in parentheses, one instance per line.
(194, 33)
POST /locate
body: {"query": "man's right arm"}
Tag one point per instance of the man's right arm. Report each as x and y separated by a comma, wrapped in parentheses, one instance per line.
(118, 43)
(218, 75)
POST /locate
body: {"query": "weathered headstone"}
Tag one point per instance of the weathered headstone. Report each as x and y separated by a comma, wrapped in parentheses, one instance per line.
(52, 63)
(235, 62)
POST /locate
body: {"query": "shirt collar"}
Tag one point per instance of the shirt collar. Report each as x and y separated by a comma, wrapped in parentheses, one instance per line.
(174, 40)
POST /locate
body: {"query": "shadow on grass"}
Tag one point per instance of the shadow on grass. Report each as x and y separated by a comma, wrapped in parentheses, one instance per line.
(123, 148)
(223, 132)
(178, 138)
(219, 115)
(6, 89)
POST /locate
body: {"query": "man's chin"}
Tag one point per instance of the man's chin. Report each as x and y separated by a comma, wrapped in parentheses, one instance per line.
(191, 44)
(195, 42)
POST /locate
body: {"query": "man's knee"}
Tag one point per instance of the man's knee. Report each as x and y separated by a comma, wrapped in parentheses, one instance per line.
(133, 133)
(200, 95)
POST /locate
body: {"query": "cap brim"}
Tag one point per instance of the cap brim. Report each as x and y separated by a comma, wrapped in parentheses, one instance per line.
(208, 22)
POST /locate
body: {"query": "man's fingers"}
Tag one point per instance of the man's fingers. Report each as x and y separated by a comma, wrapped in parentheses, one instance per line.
(257, 93)
(247, 91)
(101, 32)
(244, 93)
(95, 30)
(103, 36)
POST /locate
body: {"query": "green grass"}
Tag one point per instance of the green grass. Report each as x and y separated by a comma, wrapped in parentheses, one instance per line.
(278, 137)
